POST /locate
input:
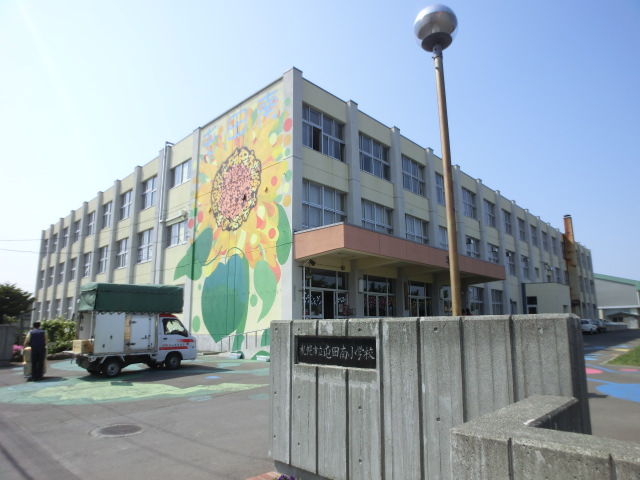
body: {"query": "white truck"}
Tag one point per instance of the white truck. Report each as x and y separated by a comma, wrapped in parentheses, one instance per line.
(123, 324)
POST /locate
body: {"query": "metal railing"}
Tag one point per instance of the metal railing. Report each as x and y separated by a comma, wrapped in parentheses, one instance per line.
(252, 339)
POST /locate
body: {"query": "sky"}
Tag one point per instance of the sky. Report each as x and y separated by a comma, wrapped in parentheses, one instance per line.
(543, 98)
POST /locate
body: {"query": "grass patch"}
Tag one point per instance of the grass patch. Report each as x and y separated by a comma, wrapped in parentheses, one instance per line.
(631, 358)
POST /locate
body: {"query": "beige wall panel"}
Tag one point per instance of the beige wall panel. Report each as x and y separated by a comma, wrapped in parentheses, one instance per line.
(412, 150)
(377, 190)
(374, 129)
(325, 170)
(416, 205)
(323, 101)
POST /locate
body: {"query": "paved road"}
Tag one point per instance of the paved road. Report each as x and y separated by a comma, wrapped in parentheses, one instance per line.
(208, 420)
(614, 391)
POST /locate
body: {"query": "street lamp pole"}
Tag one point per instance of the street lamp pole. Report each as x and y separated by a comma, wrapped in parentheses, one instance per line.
(435, 27)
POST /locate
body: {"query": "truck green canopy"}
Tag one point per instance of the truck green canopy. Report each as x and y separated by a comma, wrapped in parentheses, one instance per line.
(115, 297)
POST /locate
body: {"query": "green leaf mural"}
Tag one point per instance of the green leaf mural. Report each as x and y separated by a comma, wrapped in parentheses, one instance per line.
(196, 256)
(225, 298)
(265, 283)
(284, 236)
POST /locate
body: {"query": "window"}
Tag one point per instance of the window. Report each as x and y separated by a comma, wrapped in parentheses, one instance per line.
(545, 241)
(476, 300)
(440, 189)
(511, 262)
(72, 269)
(65, 237)
(416, 229)
(473, 247)
(41, 278)
(60, 273)
(69, 307)
(121, 253)
(181, 174)
(321, 205)
(177, 233)
(376, 217)
(525, 266)
(419, 299)
(145, 246)
(107, 211)
(76, 231)
(443, 238)
(86, 270)
(56, 307)
(379, 297)
(532, 305)
(489, 214)
(103, 258)
(494, 253)
(54, 242)
(413, 176)
(521, 230)
(91, 223)
(50, 276)
(534, 235)
(469, 203)
(507, 222)
(125, 205)
(322, 133)
(496, 302)
(149, 193)
(374, 158)
(554, 247)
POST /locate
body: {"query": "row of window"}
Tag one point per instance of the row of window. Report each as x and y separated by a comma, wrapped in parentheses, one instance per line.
(323, 206)
(178, 175)
(176, 235)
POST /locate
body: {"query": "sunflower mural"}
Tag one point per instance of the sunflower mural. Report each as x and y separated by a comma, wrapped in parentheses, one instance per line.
(242, 229)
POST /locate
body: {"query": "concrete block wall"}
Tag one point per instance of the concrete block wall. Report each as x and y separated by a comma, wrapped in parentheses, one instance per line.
(531, 440)
(431, 374)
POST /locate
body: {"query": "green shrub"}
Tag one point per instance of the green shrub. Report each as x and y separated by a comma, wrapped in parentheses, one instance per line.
(60, 332)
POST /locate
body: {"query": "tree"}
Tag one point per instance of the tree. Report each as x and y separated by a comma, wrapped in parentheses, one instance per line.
(13, 301)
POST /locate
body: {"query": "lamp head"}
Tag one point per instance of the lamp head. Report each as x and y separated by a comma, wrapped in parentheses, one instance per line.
(435, 25)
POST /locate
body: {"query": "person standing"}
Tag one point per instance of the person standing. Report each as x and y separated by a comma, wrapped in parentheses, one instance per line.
(37, 340)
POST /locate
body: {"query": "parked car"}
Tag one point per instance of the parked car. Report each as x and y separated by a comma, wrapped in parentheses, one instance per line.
(600, 325)
(588, 326)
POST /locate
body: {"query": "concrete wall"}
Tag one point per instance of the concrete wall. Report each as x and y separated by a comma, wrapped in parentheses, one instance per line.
(507, 445)
(431, 374)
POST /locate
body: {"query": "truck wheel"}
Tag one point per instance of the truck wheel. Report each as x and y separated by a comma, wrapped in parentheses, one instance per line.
(173, 361)
(111, 368)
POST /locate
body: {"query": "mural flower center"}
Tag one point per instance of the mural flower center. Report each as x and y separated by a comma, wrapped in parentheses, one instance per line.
(234, 192)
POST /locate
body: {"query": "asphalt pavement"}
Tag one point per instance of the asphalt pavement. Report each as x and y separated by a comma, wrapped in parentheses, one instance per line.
(207, 420)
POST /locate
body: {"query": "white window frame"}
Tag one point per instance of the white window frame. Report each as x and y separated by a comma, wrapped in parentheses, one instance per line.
(534, 235)
(508, 226)
(497, 307)
(376, 217)
(413, 176)
(322, 133)
(469, 203)
(65, 237)
(489, 213)
(443, 235)
(77, 226)
(91, 223)
(322, 203)
(522, 229)
(440, 197)
(86, 266)
(60, 278)
(149, 190)
(472, 246)
(493, 253)
(374, 157)
(72, 269)
(526, 268)
(103, 258)
(511, 262)
(126, 201)
(476, 300)
(121, 253)
(416, 229)
(181, 174)
(177, 233)
(145, 246)
(107, 212)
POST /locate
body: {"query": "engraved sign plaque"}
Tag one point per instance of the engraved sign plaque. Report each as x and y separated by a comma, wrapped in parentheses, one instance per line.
(354, 352)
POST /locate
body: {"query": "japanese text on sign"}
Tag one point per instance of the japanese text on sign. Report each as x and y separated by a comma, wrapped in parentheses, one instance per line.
(358, 352)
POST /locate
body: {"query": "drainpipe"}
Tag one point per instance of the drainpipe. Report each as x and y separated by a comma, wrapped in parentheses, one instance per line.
(571, 259)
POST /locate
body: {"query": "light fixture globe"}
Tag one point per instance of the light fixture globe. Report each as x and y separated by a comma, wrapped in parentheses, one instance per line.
(435, 25)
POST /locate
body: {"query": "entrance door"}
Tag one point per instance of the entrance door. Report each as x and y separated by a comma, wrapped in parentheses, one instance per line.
(329, 305)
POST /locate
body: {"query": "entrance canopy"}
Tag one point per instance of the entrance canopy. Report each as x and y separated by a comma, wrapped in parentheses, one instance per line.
(338, 244)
